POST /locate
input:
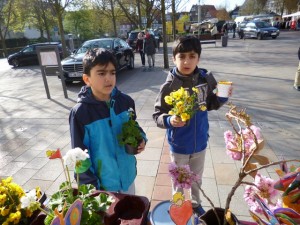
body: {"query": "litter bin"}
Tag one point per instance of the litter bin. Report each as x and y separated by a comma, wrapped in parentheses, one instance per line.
(224, 40)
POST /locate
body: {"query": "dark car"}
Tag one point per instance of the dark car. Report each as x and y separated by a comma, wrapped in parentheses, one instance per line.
(72, 66)
(260, 30)
(28, 55)
(240, 29)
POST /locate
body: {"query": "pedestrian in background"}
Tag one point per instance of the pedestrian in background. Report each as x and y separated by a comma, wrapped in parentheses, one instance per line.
(225, 28)
(97, 119)
(150, 48)
(233, 29)
(297, 77)
(140, 48)
(188, 142)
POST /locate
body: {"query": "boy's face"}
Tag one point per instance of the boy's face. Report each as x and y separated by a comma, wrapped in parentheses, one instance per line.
(186, 62)
(102, 81)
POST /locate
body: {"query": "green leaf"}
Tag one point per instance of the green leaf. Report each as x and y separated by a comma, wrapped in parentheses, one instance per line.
(83, 166)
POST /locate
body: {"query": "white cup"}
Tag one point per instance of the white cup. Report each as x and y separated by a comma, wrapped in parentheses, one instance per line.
(223, 88)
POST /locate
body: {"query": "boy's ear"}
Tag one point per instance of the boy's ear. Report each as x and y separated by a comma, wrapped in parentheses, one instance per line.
(86, 79)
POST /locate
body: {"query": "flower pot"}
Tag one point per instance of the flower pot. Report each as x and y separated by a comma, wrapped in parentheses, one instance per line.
(209, 218)
(132, 150)
(38, 217)
(127, 209)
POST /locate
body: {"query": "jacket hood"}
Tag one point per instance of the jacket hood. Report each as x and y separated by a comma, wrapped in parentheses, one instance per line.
(86, 96)
(174, 72)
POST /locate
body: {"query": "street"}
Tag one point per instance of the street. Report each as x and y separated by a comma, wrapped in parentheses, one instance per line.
(262, 72)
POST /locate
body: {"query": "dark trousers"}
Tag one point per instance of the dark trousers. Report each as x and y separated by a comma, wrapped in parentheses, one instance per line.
(142, 54)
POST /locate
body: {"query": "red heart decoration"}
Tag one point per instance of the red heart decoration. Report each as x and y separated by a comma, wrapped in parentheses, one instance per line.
(180, 214)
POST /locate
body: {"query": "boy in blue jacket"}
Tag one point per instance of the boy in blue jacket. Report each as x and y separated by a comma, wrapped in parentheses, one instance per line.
(96, 121)
(188, 142)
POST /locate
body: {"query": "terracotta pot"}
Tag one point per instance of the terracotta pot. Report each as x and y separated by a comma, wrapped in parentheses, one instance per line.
(131, 150)
(209, 218)
(127, 210)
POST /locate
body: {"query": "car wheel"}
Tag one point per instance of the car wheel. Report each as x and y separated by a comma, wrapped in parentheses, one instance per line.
(15, 63)
(259, 36)
(274, 37)
(130, 65)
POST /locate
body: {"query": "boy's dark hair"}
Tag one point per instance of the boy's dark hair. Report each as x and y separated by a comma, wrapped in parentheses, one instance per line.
(97, 56)
(187, 44)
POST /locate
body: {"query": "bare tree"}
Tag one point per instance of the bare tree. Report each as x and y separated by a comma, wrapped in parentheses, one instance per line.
(59, 7)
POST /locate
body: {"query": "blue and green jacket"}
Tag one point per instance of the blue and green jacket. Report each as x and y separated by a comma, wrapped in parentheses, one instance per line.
(191, 138)
(95, 126)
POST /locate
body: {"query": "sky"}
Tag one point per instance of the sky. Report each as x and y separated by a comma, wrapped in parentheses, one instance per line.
(230, 4)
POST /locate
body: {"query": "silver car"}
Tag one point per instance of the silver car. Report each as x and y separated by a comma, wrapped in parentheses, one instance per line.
(260, 30)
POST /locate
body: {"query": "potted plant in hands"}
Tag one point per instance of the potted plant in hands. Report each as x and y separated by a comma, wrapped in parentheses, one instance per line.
(131, 134)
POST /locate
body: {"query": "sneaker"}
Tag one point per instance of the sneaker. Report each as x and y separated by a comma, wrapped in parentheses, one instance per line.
(199, 210)
(297, 88)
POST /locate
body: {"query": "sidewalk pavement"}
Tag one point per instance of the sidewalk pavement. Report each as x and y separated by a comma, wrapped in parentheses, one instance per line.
(30, 123)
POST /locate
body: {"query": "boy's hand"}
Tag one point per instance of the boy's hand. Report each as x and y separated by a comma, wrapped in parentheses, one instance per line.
(176, 121)
(141, 147)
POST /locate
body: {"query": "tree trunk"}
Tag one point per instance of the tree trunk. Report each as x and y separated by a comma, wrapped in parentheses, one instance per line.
(163, 16)
(113, 17)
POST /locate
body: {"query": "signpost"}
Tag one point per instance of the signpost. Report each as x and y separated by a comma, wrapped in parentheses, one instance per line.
(50, 64)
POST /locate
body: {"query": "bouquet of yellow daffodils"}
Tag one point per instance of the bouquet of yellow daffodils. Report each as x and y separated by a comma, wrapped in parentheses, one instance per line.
(184, 104)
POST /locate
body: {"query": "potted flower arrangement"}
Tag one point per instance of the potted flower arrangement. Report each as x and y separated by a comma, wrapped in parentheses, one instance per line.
(14, 204)
(93, 206)
(244, 143)
(184, 105)
(130, 135)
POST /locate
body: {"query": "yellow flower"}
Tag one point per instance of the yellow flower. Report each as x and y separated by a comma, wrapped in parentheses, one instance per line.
(14, 217)
(179, 104)
(203, 108)
(196, 90)
(4, 211)
(3, 198)
(185, 117)
(168, 100)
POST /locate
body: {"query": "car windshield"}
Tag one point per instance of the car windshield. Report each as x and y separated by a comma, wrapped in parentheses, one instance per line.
(107, 44)
(262, 24)
(133, 35)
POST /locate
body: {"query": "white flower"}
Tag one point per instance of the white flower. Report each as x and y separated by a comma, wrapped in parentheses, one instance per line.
(75, 155)
(28, 199)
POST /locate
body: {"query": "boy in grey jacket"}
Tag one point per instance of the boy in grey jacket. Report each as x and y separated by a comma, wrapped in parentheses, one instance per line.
(188, 142)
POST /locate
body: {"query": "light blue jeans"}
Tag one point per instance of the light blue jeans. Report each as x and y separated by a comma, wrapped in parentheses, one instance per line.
(196, 163)
(297, 77)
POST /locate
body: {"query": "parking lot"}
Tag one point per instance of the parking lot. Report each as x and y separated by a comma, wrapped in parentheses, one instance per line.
(262, 72)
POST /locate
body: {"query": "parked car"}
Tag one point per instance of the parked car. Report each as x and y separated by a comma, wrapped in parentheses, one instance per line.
(260, 30)
(72, 66)
(132, 37)
(240, 29)
(28, 55)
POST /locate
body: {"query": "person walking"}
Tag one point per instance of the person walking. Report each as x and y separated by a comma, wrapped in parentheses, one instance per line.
(233, 29)
(297, 77)
(140, 48)
(150, 48)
